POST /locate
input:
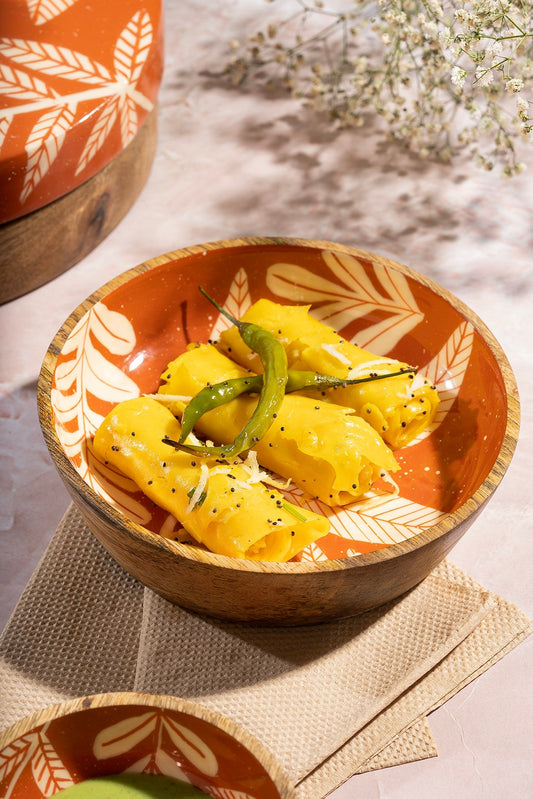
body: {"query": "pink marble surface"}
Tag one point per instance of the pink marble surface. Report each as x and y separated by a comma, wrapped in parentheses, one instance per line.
(233, 163)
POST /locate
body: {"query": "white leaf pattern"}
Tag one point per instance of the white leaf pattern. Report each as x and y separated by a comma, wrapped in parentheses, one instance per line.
(112, 329)
(104, 122)
(42, 11)
(450, 364)
(66, 407)
(90, 373)
(446, 371)
(166, 764)
(19, 754)
(352, 297)
(192, 746)
(114, 98)
(49, 59)
(389, 521)
(237, 303)
(16, 754)
(4, 127)
(395, 520)
(112, 384)
(21, 86)
(49, 772)
(43, 145)
(131, 49)
(151, 737)
(129, 121)
(124, 735)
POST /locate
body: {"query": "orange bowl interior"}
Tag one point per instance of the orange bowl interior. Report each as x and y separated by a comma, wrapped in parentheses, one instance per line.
(139, 733)
(387, 309)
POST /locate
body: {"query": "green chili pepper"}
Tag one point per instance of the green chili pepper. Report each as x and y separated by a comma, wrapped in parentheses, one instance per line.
(219, 393)
(271, 393)
(214, 396)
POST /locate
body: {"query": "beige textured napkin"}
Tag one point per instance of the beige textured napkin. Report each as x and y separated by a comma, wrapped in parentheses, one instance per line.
(328, 700)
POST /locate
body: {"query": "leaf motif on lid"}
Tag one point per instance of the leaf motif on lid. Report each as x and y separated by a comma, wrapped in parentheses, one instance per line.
(129, 118)
(105, 119)
(131, 48)
(43, 145)
(18, 85)
(110, 96)
(50, 59)
(42, 11)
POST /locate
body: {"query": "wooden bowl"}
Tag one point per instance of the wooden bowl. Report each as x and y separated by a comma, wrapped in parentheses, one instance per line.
(106, 734)
(118, 342)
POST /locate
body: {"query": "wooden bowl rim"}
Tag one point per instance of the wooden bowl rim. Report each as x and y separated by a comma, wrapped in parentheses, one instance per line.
(164, 702)
(136, 531)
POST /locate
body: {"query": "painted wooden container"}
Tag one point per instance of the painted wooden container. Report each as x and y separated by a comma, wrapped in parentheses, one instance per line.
(79, 87)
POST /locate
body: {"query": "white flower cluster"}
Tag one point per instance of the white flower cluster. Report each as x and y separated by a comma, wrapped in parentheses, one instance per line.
(440, 73)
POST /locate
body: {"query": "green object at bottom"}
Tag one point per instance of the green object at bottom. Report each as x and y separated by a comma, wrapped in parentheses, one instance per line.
(132, 786)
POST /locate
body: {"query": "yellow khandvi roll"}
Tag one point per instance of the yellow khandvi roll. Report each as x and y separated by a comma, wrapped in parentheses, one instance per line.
(215, 502)
(327, 451)
(398, 408)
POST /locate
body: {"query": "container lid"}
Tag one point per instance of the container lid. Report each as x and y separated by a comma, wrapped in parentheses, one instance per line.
(77, 80)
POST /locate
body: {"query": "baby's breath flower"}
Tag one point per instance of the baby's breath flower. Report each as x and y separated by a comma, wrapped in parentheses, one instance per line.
(413, 63)
(458, 76)
(431, 29)
(483, 77)
(514, 85)
(455, 49)
(436, 8)
(494, 48)
(444, 37)
(360, 65)
(522, 108)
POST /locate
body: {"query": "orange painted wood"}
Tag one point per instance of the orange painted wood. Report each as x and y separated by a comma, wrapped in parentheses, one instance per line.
(38, 247)
(80, 81)
(78, 723)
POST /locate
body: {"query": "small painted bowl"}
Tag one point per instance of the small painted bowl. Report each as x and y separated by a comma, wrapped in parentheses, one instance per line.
(119, 341)
(106, 734)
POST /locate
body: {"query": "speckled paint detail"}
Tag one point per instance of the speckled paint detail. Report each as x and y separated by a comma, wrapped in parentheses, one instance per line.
(151, 318)
(77, 82)
(99, 741)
